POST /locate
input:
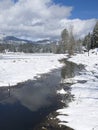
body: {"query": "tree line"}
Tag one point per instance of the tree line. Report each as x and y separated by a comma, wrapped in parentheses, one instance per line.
(28, 48)
(91, 40)
(68, 44)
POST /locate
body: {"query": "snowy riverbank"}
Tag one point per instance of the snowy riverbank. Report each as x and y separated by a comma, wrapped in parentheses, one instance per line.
(83, 112)
(20, 67)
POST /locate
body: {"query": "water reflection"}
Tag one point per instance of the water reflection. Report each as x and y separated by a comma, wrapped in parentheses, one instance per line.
(38, 93)
(35, 94)
(26, 104)
(70, 69)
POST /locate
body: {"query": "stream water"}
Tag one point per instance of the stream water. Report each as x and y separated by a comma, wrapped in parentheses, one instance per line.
(25, 105)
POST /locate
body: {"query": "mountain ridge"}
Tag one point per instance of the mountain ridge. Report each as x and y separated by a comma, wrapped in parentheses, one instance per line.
(14, 40)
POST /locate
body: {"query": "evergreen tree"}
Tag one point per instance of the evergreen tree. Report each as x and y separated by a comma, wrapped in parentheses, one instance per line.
(95, 36)
(71, 44)
(78, 45)
(64, 41)
(87, 41)
(67, 44)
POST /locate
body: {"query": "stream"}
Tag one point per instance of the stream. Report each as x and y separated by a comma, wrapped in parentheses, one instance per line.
(24, 106)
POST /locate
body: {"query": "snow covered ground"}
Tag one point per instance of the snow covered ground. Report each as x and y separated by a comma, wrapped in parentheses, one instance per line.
(19, 67)
(83, 112)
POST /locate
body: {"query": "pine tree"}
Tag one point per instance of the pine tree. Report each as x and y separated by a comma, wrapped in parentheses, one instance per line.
(95, 36)
(87, 41)
(67, 44)
(71, 44)
(64, 41)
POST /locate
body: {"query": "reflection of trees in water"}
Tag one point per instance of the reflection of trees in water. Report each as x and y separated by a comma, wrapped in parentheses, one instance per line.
(69, 70)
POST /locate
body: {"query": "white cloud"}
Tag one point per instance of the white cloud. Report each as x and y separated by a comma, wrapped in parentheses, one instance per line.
(38, 19)
(80, 27)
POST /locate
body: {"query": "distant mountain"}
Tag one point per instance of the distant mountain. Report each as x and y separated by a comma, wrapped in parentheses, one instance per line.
(8, 38)
(14, 40)
(14, 44)
(44, 41)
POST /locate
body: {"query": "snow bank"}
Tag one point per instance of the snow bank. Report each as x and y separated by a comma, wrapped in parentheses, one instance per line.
(83, 112)
(18, 67)
(62, 91)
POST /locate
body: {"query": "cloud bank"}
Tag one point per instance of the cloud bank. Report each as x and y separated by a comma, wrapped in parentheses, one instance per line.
(38, 19)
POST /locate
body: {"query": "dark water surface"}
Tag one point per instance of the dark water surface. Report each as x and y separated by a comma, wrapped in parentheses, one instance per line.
(29, 102)
(26, 104)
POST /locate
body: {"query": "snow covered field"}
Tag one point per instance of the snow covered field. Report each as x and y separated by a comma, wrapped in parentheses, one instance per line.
(83, 112)
(20, 67)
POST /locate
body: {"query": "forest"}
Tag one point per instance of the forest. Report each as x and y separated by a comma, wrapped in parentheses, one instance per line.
(67, 44)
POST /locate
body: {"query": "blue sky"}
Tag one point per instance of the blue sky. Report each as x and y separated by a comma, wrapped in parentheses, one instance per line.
(83, 9)
(43, 19)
